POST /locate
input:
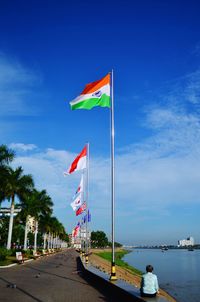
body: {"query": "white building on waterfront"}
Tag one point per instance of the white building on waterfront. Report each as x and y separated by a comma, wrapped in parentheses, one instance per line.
(186, 242)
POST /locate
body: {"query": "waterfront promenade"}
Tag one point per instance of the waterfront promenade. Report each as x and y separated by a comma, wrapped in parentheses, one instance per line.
(56, 278)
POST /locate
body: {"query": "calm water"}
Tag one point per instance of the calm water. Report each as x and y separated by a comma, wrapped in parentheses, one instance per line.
(178, 271)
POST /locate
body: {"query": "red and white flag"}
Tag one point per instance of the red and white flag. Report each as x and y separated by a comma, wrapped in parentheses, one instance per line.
(81, 209)
(76, 229)
(76, 203)
(79, 163)
(80, 187)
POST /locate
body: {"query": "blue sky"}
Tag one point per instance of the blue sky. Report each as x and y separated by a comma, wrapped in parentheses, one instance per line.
(49, 50)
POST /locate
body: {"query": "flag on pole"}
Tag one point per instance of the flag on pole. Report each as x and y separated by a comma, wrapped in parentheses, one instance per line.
(94, 94)
(76, 202)
(76, 229)
(89, 216)
(79, 163)
(81, 209)
(84, 218)
(80, 187)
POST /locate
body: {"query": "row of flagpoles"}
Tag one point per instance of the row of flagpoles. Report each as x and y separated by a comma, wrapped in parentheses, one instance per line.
(99, 93)
(79, 202)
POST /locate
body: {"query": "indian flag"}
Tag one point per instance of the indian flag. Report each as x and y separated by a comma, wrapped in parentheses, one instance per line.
(95, 94)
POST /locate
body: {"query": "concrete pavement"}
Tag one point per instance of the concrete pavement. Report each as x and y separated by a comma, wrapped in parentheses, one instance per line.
(56, 278)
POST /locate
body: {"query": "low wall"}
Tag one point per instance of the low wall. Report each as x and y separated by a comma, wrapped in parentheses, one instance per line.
(101, 281)
(119, 290)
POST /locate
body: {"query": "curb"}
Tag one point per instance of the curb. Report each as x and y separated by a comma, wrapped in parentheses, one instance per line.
(6, 266)
(13, 264)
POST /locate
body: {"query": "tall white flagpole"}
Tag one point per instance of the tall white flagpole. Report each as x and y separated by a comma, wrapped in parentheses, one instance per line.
(87, 197)
(113, 270)
(82, 199)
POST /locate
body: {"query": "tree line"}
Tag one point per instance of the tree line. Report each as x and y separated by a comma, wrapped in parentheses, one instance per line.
(19, 189)
(100, 240)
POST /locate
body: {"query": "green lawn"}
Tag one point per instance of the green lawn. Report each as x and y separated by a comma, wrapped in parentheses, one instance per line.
(12, 259)
(8, 260)
(118, 260)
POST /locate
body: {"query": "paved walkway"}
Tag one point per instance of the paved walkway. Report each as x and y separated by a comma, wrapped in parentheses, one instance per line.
(56, 278)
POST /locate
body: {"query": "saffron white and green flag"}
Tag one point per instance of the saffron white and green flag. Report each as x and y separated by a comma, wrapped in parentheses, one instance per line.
(95, 94)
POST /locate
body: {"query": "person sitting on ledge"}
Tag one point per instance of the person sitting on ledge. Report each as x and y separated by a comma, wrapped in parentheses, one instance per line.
(149, 283)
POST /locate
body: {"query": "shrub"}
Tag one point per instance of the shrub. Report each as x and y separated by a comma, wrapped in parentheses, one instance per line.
(13, 251)
(27, 253)
(3, 253)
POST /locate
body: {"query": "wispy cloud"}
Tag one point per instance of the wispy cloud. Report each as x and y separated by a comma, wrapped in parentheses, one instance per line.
(16, 88)
(153, 176)
(196, 50)
(22, 147)
(163, 169)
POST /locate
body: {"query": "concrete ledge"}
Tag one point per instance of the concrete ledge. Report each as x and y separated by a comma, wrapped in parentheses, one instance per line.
(100, 279)
(121, 290)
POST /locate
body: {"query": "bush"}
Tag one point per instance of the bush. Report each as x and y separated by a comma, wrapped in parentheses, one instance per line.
(3, 253)
(13, 251)
(26, 252)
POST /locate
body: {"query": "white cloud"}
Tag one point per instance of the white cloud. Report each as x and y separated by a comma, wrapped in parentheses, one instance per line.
(22, 147)
(16, 88)
(163, 170)
(196, 50)
(151, 176)
(160, 172)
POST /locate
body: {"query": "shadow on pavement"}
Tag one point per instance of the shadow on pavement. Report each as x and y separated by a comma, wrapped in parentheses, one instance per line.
(22, 290)
(52, 274)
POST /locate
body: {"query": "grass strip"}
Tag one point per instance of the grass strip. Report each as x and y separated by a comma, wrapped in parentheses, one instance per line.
(9, 260)
(118, 260)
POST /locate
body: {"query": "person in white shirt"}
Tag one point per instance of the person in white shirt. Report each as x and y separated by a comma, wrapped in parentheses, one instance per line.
(149, 283)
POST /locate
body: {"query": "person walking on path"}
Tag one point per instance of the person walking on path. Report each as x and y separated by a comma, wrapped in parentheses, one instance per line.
(149, 283)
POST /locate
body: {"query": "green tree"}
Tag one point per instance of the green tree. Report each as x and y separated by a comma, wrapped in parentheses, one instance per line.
(17, 185)
(36, 204)
(98, 239)
(4, 224)
(117, 244)
(6, 156)
(56, 230)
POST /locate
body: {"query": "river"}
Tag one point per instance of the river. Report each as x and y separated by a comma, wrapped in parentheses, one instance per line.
(178, 271)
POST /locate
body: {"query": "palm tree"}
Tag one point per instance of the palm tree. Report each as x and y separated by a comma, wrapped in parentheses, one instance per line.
(6, 156)
(16, 185)
(27, 206)
(37, 204)
(45, 227)
(49, 226)
(55, 229)
(41, 208)
(44, 209)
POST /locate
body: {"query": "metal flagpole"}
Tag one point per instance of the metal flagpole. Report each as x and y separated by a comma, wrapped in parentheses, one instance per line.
(81, 228)
(82, 231)
(87, 197)
(113, 270)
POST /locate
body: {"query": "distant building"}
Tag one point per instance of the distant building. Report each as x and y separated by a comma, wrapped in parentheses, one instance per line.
(31, 223)
(186, 242)
(78, 241)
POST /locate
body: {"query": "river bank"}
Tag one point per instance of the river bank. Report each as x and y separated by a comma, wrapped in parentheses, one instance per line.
(177, 270)
(123, 273)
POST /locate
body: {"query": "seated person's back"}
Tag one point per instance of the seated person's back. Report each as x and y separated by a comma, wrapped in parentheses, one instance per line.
(149, 283)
